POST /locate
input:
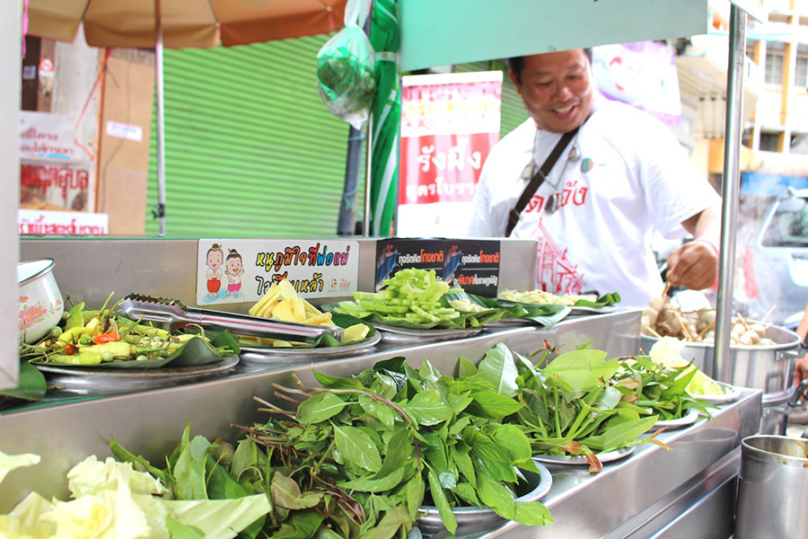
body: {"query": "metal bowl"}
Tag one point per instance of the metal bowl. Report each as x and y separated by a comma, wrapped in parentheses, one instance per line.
(472, 520)
(40, 301)
(768, 368)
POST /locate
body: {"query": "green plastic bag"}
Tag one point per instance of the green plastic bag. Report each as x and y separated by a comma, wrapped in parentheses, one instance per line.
(346, 68)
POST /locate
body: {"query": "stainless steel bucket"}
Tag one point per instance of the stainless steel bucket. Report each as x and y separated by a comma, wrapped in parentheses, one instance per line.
(773, 488)
(768, 368)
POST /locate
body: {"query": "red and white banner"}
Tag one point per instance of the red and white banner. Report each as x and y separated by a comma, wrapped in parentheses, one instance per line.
(449, 123)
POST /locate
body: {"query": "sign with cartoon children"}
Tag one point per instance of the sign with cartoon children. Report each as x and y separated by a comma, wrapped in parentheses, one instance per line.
(242, 270)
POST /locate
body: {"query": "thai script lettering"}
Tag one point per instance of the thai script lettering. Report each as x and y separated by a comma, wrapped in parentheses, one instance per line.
(36, 142)
(469, 280)
(573, 193)
(316, 255)
(46, 177)
(315, 284)
(422, 256)
(481, 258)
(38, 226)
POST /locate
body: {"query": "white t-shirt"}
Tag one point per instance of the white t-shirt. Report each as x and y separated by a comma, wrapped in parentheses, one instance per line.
(631, 175)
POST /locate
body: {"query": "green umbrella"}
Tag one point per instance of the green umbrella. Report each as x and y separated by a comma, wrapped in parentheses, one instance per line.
(384, 36)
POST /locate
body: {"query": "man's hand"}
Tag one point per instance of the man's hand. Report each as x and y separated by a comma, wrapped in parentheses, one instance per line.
(800, 370)
(694, 265)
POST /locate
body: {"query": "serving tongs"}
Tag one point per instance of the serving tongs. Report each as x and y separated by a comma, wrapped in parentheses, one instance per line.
(175, 314)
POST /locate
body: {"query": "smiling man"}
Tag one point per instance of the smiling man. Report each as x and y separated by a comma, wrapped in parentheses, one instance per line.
(589, 179)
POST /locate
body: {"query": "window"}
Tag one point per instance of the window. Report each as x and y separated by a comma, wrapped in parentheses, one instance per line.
(801, 76)
(774, 68)
(788, 226)
(768, 142)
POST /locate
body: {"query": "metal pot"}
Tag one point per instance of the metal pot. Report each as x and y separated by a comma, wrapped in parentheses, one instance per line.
(475, 520)
(773, 488)
(768, 368)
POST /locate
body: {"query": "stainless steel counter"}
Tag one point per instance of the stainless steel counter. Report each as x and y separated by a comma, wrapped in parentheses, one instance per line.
(624, 500)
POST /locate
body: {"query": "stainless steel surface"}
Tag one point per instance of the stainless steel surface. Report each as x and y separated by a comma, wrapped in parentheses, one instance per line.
(768, 368)
(773, 488)
(774, 416)
(476, 520)
(151, 422)
(402, 335)
(288, 356)
(366, 231)
(98, 381)
(721, 370)
(174, 313)
(673, 424)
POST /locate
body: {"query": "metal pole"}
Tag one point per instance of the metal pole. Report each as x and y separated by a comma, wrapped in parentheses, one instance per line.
(722, 369)
(368, 166)
(160, 213)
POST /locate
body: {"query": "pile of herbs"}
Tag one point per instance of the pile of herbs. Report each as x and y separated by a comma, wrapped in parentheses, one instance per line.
(583, 404)
(369, 451)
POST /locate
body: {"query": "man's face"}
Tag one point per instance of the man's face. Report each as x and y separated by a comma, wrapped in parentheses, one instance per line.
(557, 89)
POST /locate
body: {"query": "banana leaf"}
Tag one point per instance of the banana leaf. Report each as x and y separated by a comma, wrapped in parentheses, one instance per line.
(464, 321)
(543, 315)
(342, 320)
(606, 300)
(193, 353)
(32, 385)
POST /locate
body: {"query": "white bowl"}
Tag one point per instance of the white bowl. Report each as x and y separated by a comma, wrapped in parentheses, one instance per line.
(40, 303)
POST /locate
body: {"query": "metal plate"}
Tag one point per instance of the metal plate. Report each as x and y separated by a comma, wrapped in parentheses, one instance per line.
(580, 460)
(111, 381)
(474, 520)
(731, 394)
(581, 311)
(673, 424)
(404, 335)
(276, 356)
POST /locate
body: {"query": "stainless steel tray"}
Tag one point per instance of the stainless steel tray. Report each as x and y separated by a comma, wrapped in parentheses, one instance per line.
(404, 335)
(99, 381)
(671, 424)
(580, 460)
(288, 356)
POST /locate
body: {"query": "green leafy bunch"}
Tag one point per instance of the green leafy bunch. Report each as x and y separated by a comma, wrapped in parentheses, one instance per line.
(654, 388)
(415, 298)
(198, 469)
(572, 406)
(394, 438)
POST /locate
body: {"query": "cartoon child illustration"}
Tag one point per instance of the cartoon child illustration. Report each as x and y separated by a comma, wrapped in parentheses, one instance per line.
(215, 259)
(235, 269)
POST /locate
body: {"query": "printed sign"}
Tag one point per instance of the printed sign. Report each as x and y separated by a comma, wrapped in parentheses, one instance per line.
(125, 131)
(54, 184)
(46, 67)
(470, 264)
(642, 75)
(449, 123)
(46, 134)
(61, 223)
(241, 271)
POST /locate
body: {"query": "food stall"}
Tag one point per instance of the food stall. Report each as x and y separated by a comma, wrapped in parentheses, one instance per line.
(653, 490)
(679, 492)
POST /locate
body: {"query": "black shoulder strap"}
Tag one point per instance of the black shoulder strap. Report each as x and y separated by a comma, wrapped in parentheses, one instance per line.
(537, 179)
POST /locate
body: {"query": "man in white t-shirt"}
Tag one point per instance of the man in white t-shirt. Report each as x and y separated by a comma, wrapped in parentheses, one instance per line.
(622, 175)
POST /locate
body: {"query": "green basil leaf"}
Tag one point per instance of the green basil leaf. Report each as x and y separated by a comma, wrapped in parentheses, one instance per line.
(496, 496)
(300, 525)
(189, 471)
(499, 369)
(582, 369)
(468, 493)
(379, 410)
(465, 368)
(461, 458)
(441, 502)
(389, 525)
(318, 408)
(415, 494)
(532, 514)
(337, 382)
(286, 493)
(375, 483)
(620, 435)
(357, 448)
(515, 444)
(428, 408)
(490, 404)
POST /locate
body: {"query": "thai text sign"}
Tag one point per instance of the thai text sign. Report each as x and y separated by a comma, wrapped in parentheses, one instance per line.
(47, 134)
(449, 123)
(242, 270)
(61, 223)
(57, 182)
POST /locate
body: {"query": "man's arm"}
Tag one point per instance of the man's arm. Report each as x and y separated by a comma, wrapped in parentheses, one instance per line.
(695, 264)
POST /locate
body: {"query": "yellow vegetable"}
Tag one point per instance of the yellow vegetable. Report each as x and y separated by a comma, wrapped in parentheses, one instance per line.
(355, 333)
